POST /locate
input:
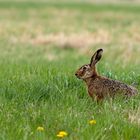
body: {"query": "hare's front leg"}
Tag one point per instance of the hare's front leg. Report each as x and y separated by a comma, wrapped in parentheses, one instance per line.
(99, 98)
(91, 94)
(96, 97)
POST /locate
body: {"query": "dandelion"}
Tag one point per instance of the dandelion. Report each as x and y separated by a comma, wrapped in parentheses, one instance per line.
(62, 134)
(40, 128)
(92, 122)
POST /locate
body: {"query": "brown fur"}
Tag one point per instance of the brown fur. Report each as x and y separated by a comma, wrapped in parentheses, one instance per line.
(98, 86)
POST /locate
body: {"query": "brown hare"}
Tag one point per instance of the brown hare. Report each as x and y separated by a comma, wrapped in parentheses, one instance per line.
(98, 86)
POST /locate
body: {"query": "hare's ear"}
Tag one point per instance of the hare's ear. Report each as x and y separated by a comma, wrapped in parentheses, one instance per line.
(96, 57)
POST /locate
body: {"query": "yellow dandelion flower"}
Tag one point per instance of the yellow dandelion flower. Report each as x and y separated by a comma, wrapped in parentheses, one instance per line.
(92, 122)
(40, 128)
(62, 134)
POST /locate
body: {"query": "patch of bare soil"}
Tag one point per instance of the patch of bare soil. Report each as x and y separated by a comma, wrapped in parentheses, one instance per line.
(62, 40)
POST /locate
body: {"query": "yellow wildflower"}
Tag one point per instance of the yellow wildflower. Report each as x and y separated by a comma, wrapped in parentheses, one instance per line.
(62, 134)
(40, 128)
(92, 122)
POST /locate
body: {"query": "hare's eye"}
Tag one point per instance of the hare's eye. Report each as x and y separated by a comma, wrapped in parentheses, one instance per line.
(84, 68)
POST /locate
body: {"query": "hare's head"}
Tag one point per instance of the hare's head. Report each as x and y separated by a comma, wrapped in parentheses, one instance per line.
(89, 70)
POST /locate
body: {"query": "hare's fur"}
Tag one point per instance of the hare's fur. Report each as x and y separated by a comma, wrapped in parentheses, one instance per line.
(99, 86)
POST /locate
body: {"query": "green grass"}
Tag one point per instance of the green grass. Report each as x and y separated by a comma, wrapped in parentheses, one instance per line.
(37, 82)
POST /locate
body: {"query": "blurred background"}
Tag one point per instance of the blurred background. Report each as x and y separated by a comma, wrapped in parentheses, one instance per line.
(54, 31)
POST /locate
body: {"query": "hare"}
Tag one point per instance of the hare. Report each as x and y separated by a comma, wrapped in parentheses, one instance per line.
(98, 86)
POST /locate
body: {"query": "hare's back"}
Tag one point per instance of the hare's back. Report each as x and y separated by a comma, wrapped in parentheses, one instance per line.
(109, 86)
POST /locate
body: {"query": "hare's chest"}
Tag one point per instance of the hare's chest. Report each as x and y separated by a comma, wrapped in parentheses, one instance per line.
(95, 89)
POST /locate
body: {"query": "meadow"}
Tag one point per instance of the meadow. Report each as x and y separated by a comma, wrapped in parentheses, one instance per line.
(41, 47)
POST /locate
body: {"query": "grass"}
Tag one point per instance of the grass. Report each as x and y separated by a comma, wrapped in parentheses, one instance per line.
(40, 51)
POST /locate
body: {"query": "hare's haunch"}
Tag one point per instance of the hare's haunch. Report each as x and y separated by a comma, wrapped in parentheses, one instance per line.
(99, 86)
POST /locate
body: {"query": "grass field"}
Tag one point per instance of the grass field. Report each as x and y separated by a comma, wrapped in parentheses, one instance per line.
(41, 47)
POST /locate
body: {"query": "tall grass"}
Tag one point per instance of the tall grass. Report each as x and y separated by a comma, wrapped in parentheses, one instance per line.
(37, 82)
